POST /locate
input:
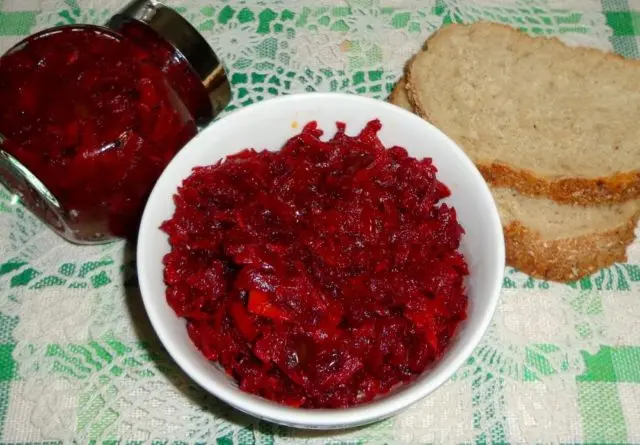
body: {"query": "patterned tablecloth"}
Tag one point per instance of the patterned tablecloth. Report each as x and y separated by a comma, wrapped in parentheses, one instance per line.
(79, 361)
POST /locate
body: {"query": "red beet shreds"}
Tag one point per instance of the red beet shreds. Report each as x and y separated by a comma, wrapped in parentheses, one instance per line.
(320, 275)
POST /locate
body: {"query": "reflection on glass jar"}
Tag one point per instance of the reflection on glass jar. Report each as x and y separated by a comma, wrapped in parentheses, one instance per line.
(29, 189)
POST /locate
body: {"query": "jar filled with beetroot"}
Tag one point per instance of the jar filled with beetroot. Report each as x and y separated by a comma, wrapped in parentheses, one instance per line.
(91, 115)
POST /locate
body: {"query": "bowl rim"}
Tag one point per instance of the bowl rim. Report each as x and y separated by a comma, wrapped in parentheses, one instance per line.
(338, 418)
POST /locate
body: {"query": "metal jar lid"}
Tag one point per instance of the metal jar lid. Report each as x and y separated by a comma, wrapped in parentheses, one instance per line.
(186, 40)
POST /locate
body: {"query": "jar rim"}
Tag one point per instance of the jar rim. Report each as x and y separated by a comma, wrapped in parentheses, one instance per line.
(175, 29)
(188, 43)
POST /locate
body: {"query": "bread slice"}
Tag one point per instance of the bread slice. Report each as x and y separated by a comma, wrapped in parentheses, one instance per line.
(554, 241)
(564, 242)
(533, 113)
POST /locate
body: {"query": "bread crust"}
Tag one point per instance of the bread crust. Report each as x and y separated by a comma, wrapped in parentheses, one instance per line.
(394, 97)
(616, 188)
(399, 89)
(566, 259)
(620, 187)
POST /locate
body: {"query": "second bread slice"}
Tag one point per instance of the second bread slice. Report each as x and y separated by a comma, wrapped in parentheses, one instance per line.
(564, 242)
(533, 113)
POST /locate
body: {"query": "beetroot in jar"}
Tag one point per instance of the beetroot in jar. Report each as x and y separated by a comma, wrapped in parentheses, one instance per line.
(177, 70)
(89, 118)
(93, 121)
(173, 44)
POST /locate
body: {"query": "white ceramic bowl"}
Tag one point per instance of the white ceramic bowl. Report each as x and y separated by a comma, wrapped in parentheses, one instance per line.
(268, 125)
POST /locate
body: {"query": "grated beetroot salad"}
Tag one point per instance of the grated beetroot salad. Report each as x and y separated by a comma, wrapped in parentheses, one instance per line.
(321, 275)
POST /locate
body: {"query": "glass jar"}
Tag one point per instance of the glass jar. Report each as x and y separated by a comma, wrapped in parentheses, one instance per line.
(90, 116)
